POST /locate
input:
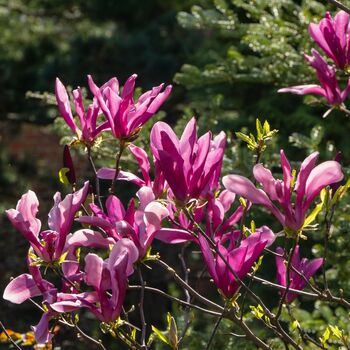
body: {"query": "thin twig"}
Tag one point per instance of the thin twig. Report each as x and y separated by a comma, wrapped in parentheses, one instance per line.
(339, 5)
(142, 313)
(87, 337)
(9, 337)
(117, 163)
(215, 330)
(97, 181)
(177, 300)
(186, 286)
(187, 319)
(285, 293)
(328, 222)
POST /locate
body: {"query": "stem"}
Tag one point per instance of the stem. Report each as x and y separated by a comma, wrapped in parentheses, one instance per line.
(244, 215)
(97, 181)
(186, 286)
(87, 337)
(9, 337)
(215, 330)
(117, 163)
(245, 294)
(289, 264)
(177, 300)
(142, 314)
(79, 331)
(328, 222)
(249, 334)
(339, 5)
(186, 271)
(59, 273)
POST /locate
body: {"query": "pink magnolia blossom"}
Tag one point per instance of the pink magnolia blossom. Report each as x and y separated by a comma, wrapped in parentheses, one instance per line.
(215, 214)
(191, 166)
(303, 266)
(108, 278)
(329, 88)
(32, 285)
(49, 244)
(124, 115)
(309, 183)
(240, 258)
(139, 225)
(88, 130)
(332, 36)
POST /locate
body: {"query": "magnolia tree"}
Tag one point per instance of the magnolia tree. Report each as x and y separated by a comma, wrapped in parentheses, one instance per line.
(182, 199)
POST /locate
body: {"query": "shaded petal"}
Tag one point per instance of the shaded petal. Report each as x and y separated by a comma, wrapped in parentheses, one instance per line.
(122, 247)
(321, 176)
(88, 238)
(141, 157)
(281, 267)
(21, 288)
(93, 270)
(115, 208)
(41, 330)
(109, 174)
(174, 236)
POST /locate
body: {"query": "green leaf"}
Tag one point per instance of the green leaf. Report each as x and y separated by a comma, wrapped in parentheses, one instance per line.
(174, 340)
(161, 336)
(258, 311)
(243, 137)
(266, 127)
(259, 130)
(336, 331)
(62, 176)
(326, 335)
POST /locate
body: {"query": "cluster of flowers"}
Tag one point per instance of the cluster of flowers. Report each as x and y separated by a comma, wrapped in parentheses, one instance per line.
(332, 36)
(183, 201)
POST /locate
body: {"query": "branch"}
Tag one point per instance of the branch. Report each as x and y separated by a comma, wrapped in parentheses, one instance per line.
(339, 5)
(186, 286)
(9, 337)
(97, 181)
(179, 301)
(142, 313)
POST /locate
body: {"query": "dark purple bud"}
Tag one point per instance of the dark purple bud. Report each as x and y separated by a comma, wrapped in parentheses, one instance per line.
(68, 163)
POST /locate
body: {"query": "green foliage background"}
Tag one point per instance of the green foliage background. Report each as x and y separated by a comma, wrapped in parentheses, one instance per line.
(226, 59)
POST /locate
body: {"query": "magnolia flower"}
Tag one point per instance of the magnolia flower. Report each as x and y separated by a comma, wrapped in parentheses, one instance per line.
(190, 166)
(329, 88)
(217, 222)
(88, 130)
(331, 35)
(139, 225)
(31, 285)
(240, 258)
(310, 181)
(108, 278)
(49, 244)
(303, 266)
(125, 117)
